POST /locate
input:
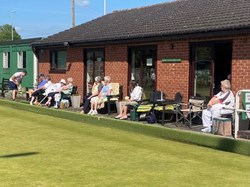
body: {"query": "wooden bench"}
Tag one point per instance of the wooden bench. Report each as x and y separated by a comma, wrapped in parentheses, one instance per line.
(4, 86)
(116, 95)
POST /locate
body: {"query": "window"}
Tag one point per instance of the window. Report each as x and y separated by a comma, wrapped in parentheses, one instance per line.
(94, 61)
(6, 60)
(58, 60)
(21, 59)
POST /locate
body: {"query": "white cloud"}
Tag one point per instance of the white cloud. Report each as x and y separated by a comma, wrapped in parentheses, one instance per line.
(82, 2)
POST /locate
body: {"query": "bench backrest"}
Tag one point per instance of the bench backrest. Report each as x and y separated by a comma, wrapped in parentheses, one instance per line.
(4, 85)
(117, 90)
(74, 90)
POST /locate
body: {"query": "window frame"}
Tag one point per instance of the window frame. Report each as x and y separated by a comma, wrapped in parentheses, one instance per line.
(54, 60)
(6, 60)
(21, 59)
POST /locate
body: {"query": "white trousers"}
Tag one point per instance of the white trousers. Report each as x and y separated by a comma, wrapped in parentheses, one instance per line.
(57, 97)
(210, 113)
(214, 112)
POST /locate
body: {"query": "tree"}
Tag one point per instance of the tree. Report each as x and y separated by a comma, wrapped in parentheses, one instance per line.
(6, 33)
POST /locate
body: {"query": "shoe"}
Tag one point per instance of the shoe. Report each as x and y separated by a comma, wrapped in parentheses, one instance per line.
(90, 112)
(82, 112)
(124, 118)
(207, 129)
(94, 113)
(31, 103)
(117, 117)
(56, 107)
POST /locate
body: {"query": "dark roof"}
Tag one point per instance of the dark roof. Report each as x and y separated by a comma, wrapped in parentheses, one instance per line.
(18, 42)
(165, 19)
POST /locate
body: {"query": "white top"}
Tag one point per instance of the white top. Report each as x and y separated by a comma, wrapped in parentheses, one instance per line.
(50, 87)
(226, 98)
(136, 94)
(16, 76)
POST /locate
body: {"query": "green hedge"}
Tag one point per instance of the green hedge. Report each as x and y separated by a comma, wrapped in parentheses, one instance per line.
(207, 140)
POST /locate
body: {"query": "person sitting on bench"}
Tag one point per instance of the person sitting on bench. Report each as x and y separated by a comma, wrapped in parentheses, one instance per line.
(56, 89)
(96, 89)
(214, 107)
(135, 96)
(39, 91)
(65, 90)
(102, 96)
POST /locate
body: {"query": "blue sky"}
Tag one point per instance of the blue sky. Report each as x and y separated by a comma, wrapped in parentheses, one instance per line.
(42, 18)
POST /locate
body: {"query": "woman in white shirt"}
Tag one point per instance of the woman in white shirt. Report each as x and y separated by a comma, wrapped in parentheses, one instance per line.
(135, 96)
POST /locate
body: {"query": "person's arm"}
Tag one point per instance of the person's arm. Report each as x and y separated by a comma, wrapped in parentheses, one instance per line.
(14, 79)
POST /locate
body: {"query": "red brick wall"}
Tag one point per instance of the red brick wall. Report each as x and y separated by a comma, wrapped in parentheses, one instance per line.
(241, 63)
(74, 67)
(116, 65)
(173, 77)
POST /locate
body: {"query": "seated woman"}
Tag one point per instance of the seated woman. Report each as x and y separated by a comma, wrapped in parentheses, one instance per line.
(214, 107)
(135, 96)
(100, 99)
(64, 91)
(56, 89)
(96, 89)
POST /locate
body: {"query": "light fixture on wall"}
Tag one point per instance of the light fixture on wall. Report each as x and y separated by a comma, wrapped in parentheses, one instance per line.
(66, 44)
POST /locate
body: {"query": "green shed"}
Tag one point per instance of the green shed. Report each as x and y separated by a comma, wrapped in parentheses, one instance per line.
(16, 56)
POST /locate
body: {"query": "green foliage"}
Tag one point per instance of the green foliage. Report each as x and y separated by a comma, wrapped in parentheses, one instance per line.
(43, 150)
(6, 31)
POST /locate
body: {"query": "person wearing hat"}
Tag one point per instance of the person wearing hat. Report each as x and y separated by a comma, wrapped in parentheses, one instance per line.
(55, 90)
(215, 106)
(64, 91)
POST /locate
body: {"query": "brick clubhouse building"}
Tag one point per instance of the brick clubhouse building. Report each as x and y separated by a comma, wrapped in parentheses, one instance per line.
(185, 45)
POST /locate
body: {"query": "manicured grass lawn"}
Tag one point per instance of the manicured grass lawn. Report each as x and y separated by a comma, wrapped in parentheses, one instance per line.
(39, 150)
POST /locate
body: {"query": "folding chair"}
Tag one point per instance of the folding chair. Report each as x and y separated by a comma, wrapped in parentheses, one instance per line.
(194, 110)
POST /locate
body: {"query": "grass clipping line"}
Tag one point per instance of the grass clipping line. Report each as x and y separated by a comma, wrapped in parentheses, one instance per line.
(216, 142)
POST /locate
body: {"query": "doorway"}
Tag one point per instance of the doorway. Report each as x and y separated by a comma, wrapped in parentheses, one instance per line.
(94, 66)
(142, 63)
(210, 64)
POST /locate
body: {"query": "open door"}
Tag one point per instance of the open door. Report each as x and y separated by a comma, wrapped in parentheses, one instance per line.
(142, 63)
(203, 71)
(211, 63)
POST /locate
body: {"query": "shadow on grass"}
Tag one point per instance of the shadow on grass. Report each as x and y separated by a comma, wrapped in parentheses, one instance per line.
(19, 155)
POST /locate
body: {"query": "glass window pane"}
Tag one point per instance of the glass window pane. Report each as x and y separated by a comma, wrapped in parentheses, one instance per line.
(61, 59)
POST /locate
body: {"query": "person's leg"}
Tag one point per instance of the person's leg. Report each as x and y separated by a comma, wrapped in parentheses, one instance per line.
(32, 100)
(33, 96)
(13, 88)
(92, 101)
(57, 99)
(206, 120)
(14, 94)
(49, 101)
(121, 110)
(86, 106)
(30, 92)
(124, 114)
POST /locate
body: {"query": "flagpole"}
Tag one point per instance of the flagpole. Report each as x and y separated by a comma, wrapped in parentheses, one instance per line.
(104, 7)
